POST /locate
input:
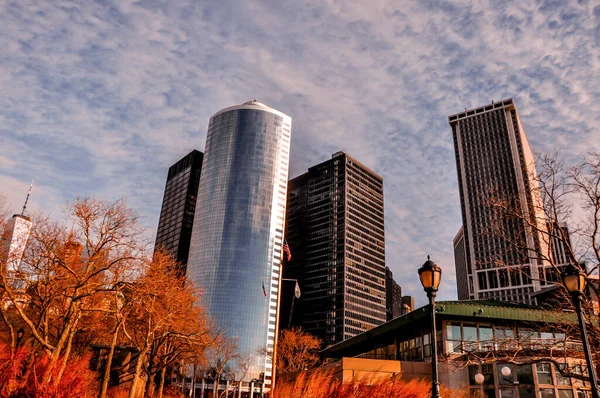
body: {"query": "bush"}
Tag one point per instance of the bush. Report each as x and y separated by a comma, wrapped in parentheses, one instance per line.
(21, 377)
(324, 385)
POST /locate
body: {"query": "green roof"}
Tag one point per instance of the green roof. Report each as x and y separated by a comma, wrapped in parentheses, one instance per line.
(474, 310)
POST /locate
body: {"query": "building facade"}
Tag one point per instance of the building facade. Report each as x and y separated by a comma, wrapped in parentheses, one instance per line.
(19, 229)
(408, 304)
(176, 219)
(495, 256)
(393, 296)
(476, 337)
(237, 236)
(336, 233)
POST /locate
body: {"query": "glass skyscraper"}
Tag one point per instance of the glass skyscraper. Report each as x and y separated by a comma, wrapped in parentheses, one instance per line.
(237, 236)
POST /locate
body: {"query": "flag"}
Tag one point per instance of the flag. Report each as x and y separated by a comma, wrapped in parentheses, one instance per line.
(264, 291)
(297, 290)
(286, 250)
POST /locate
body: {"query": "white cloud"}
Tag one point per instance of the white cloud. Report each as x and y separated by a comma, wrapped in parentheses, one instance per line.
(100, 98)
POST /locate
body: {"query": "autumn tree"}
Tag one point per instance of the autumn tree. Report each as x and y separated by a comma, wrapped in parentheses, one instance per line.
(165, 323)
(65, 271)
(296, 350)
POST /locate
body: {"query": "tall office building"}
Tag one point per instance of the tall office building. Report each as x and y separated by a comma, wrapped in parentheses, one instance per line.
(19, 229)
(179, 204)
(493, 157)
(393, 296)
(237, 237)
(335, 230)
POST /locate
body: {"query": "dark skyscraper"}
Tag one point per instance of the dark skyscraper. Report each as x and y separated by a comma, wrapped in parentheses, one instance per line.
(393, 296)
(335, 230)
(493, 157)
(179, 204)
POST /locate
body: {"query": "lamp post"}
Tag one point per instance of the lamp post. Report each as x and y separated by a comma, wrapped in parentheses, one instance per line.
(574, 281)
(430, 275)
(479, 379)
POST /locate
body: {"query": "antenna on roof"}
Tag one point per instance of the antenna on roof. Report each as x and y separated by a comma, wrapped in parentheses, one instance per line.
(27, 198)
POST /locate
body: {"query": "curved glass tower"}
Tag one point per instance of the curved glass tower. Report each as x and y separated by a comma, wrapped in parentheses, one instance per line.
(237, 235)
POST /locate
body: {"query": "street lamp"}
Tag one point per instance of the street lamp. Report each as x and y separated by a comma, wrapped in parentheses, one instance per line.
(574, 281)
(479, 379)
(430, 275)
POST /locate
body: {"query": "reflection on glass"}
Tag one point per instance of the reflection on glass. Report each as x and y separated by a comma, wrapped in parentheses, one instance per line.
(469, 333)
(238, 227)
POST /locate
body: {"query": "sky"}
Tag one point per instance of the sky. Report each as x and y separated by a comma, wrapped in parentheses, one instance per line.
(100, 98)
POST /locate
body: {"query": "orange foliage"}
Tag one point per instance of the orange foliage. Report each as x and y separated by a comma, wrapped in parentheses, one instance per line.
(324, 385)
(19, 378)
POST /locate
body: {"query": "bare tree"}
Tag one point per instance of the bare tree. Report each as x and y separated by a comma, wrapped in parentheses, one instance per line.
(296, 350)
(563, 196)
(66, 271)
(165, 321)
(225, 362)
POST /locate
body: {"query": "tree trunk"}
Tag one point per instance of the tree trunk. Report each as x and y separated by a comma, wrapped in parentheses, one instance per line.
(54, 357)
(67, 353)
(108, 365)
(161, 386)
(137, 373)
(150, 385)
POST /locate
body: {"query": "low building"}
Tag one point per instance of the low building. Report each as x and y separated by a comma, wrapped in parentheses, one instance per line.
(475, 337)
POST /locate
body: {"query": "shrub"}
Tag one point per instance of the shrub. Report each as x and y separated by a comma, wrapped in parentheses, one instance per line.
(22, 377)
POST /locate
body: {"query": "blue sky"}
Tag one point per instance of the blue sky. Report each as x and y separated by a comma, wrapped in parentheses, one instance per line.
(99, 98)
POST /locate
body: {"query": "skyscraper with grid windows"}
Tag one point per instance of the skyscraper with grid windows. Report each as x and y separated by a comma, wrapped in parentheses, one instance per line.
(335, 229)
(495, 255)
(179, 204)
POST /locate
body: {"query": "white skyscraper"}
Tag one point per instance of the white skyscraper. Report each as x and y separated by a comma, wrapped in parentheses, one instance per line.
(19, 228)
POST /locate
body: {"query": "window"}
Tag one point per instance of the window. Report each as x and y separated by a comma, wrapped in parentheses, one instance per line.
(525, 374)
(544, 373)
(560, 379)
(507, 392)
(453, 336)
(487, 370)
(565, 394)
(473, 370)
(505, 380)
(546, 393)
(486, 336)
(482, 280)
(526, 392)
